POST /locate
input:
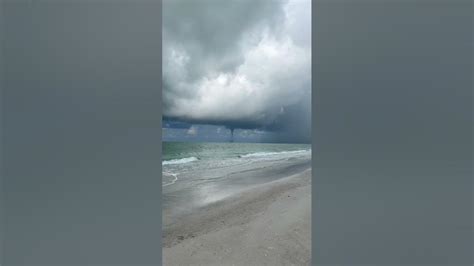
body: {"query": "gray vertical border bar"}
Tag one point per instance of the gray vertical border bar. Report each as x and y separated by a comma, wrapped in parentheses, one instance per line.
(81, 132)
(2, 194)
(392, 132)
(160, 131)
(160, 137)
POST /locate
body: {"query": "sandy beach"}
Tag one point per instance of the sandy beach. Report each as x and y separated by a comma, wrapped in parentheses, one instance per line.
(267, 224)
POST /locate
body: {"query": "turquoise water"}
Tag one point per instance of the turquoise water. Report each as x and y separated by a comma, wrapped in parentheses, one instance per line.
(189, 161)
(183, 152)
(198, 174)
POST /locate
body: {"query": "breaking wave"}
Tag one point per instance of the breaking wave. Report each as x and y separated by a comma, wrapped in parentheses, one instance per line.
(180, 161)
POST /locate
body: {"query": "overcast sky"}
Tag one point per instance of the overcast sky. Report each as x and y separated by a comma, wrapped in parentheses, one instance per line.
(243, 64)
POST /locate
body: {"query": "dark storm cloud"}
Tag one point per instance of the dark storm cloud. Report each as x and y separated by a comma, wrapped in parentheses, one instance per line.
(210, 30)
(167, 123)
(240, 64)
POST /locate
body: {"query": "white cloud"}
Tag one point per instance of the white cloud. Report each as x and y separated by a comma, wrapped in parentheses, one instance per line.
(192, 130)
(263, 70)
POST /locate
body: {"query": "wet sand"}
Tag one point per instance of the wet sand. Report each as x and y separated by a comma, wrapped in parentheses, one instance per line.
(269, 224)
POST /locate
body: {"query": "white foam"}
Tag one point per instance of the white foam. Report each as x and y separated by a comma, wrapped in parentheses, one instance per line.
(175, 178)
(266, 154)
(180, 161)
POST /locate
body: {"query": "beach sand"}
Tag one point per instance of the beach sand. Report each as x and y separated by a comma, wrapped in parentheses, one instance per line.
(269, 224)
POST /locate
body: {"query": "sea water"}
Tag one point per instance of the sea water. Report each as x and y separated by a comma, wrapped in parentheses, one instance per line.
(196, 174)
(180, 158)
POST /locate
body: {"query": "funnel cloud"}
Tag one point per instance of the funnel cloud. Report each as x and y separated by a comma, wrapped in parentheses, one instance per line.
(241, 65)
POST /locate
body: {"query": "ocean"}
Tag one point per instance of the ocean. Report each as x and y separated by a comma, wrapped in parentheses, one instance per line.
(181, 157)
(197, 174)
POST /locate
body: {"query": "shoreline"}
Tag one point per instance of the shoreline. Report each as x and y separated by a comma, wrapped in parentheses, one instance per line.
(269, 224)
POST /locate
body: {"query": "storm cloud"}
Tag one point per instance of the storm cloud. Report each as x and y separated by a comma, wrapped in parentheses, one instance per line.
(240, 64)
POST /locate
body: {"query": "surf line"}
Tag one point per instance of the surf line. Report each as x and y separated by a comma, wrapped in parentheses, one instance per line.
(173, 181)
